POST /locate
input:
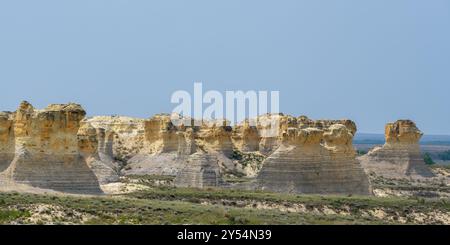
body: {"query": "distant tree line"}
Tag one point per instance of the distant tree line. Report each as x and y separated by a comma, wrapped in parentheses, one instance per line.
(445, 156)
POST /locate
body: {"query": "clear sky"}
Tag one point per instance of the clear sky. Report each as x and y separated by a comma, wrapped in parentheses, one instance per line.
(371, 61)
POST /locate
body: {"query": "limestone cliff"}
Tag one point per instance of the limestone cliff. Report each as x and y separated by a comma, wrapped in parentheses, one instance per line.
(122, 137)
(160, 154)
(265, 134)
(58, 148)
(46, 149)
(246, 137)
(400, 156)
(314, 157)
(190, 153)
(270, 128)
(200, 170)
(7, 146)
(96, 152)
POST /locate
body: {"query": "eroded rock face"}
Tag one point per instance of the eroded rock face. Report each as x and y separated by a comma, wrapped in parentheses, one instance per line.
(96, 152)
(215, 137)
(124, 135)
(46, 153)
(201, 170)
(246, 137)
(7, 145)
(160, 153)
(190, 153)
(267, 135)
(271, 128)
(58, 148)
(400, 156)
(315, 157)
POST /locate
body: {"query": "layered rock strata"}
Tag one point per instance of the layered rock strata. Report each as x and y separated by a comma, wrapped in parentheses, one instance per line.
(96, 151)
(190, 153)
(123, 136)
(160, 154)
(400, 156)
(58, 148)
(46, 149)
(266, 136)
(314, 158)
(200, 170)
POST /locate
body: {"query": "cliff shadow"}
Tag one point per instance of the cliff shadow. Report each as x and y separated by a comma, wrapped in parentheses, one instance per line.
(64, 173)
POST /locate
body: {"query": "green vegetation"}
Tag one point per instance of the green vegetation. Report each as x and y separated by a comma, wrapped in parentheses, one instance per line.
(426, 189)
(437, 166)
(164, 205)
(240, 197)
(247, 158)
(149, 180)
(7, 216)
(361, 152)
(251, 160)
(152, 177)
(427, 158)
(107, 210)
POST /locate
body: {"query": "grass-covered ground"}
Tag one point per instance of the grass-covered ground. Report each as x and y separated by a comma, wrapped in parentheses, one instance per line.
(166, 205)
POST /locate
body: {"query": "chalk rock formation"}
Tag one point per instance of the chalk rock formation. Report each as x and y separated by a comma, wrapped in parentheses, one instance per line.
(314, 157)
(246, 137)
(160, 154)
(190, 153)
(46, 149)
(201, 170)
(271, 128)
(96, 151)
(215, 137)
(7, 145)
(58, 148)
(123, 136)
(210, 159)
(400, 156)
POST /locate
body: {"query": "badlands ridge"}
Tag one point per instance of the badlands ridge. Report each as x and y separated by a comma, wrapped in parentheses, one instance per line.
(59, 149)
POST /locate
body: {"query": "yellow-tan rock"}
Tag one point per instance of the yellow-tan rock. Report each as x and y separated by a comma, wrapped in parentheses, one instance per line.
(246, 137)
(189, 153)
(314, 158)
(46, 150)
(96, 152)
(7, 145)
(400, 156)
(123, 137)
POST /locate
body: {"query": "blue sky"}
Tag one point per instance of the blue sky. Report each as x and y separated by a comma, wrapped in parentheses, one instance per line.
(371, 61)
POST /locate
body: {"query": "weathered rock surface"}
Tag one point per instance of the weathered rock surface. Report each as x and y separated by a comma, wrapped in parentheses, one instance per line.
(201, 170)
(267, 135)
(7, 146)
(192, 154)
(58, 148)
(160, 154)
(46, 149)
(314, 157)
(97, 153)
(123, 136)
(246, 137)
(400, 156)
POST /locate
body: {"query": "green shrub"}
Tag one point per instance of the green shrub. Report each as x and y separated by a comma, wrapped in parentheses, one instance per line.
(361, 152)
(428, 160)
